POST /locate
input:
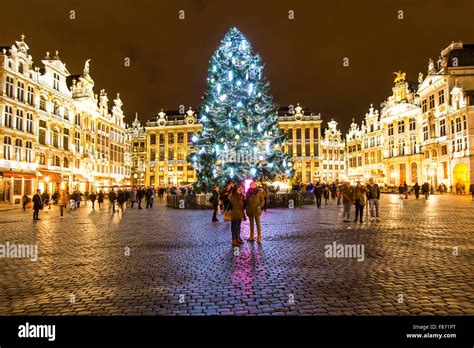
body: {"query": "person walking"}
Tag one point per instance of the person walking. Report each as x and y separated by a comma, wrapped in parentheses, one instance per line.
(77, 197)
(140, 195)
(405, 189)
(45, 199)
(55, 197)
(471, 189)
(25, 199)
(112, 197)
(318, 192)
(254, 203)
(373, 193)
(120, 199)
(100, 198)
(148, 196)
(237, 200)
(359, 201)
(93, 197)
(37, 205)
(215, 203)
(425, 189)
(416, 188)
(62, 202)
(347, 195)
(133, 196)
(333, 189)
(326, 195)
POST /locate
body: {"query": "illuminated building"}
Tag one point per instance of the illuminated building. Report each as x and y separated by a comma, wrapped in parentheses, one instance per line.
(169, 142)
(137, 152)
(333, 154)
(425, 128)
(54, 131)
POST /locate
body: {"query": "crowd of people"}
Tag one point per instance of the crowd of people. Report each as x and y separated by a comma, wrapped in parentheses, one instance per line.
(236, 203)
(119, 199)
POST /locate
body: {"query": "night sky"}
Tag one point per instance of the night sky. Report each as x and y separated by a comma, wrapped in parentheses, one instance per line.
(303, 57)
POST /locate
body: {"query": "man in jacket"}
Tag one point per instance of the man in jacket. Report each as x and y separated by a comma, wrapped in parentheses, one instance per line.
(360, 199)
(347, 194)
(318, 192)
(425, 188)
(373, 194)
(140, 195)
(112, 197)
(120, 198)
(215, 203)
(416, 188)
(149, 197)
(254, 203)
(37, 205)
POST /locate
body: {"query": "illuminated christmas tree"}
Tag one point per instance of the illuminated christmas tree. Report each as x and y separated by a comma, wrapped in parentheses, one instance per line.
(240, 137)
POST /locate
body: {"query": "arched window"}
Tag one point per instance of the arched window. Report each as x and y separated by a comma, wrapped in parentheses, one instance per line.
(21, 68)
(42, 159)
(57, 161)
(427, 154)
(66, 113)
(65, 163)
(10, 64)
(435, 153)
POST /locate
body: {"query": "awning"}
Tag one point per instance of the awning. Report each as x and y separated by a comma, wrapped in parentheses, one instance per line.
(19, 174)
(52, 176)
(79, 177)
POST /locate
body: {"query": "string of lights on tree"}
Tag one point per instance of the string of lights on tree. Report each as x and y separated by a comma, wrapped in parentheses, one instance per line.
(239, 120)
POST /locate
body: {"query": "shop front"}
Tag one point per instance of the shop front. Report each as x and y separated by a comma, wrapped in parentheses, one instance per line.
(13, 185)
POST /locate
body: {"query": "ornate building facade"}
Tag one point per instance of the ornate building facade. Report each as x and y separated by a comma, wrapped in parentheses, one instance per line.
(55, 132)
(303, 142)
(426, 128)
(169, 142)
(138, 154)
(333, 159)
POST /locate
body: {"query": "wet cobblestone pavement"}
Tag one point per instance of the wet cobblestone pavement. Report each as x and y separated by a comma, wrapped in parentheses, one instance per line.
(418, 260)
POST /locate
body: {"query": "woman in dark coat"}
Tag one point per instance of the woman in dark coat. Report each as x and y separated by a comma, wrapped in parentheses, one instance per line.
(236, 199)
(100, 198)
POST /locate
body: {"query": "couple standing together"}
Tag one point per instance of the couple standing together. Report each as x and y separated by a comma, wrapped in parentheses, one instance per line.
(239, 206)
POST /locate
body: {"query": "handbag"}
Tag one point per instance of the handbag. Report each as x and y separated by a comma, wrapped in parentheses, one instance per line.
(227, 215)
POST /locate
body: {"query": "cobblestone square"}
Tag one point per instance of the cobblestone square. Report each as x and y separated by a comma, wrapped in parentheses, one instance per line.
(418, 260)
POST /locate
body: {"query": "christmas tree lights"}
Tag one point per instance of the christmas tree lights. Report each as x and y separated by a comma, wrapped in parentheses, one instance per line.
(240, 137)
